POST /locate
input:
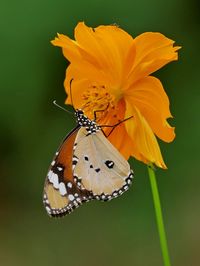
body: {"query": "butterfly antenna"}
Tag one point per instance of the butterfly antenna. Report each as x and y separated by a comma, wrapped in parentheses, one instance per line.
(70, 87)
(62, 108)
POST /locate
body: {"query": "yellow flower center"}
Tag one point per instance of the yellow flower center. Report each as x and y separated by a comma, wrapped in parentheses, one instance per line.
(98, 98)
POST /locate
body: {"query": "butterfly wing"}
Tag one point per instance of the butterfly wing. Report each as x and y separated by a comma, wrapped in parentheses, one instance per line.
(99, 167)
(61, 194)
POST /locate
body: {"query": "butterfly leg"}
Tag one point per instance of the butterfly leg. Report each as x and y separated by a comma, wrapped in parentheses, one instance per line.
(99, 111)
(114, 126)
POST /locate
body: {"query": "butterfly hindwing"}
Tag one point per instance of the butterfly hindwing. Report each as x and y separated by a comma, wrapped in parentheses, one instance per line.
(61, 193)
(99, 167)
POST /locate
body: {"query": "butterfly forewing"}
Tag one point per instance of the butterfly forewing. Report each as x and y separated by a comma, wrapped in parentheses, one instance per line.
(61, 193)
(99, 167)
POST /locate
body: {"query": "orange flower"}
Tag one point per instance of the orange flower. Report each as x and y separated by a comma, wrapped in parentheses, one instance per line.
(110, 71)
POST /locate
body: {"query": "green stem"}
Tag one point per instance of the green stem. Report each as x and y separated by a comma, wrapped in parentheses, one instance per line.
(159, 217)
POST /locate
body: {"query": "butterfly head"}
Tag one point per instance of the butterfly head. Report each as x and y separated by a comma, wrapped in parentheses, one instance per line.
(81, 118)
(84, 121)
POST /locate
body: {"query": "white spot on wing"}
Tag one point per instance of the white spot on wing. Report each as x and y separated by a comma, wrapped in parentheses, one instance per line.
(69, 184)
(52, 163)
(53, 178)
(75, 203)
(48, 209)
(71, 197)
(115, 194)
(62, 189)
(49, 175)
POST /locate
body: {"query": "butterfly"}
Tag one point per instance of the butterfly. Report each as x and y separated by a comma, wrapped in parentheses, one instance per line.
(85, 167)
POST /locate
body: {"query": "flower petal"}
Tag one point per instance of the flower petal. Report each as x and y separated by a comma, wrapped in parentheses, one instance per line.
(69, 47)
(107, 44)
(150, 98)
(129, 60)
(122, 141)
(82, 60)
(115, 41)
(86, 38)
(117, 135)
(76, 86)
(75, 54)
(142, 136)
(153, 51)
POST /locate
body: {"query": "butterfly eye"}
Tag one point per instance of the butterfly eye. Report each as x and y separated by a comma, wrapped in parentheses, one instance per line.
(79, 112)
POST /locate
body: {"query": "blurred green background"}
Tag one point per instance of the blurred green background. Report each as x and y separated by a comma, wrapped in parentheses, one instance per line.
(123, 231)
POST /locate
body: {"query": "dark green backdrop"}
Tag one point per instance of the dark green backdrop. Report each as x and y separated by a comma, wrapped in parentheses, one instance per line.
(122, 232)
